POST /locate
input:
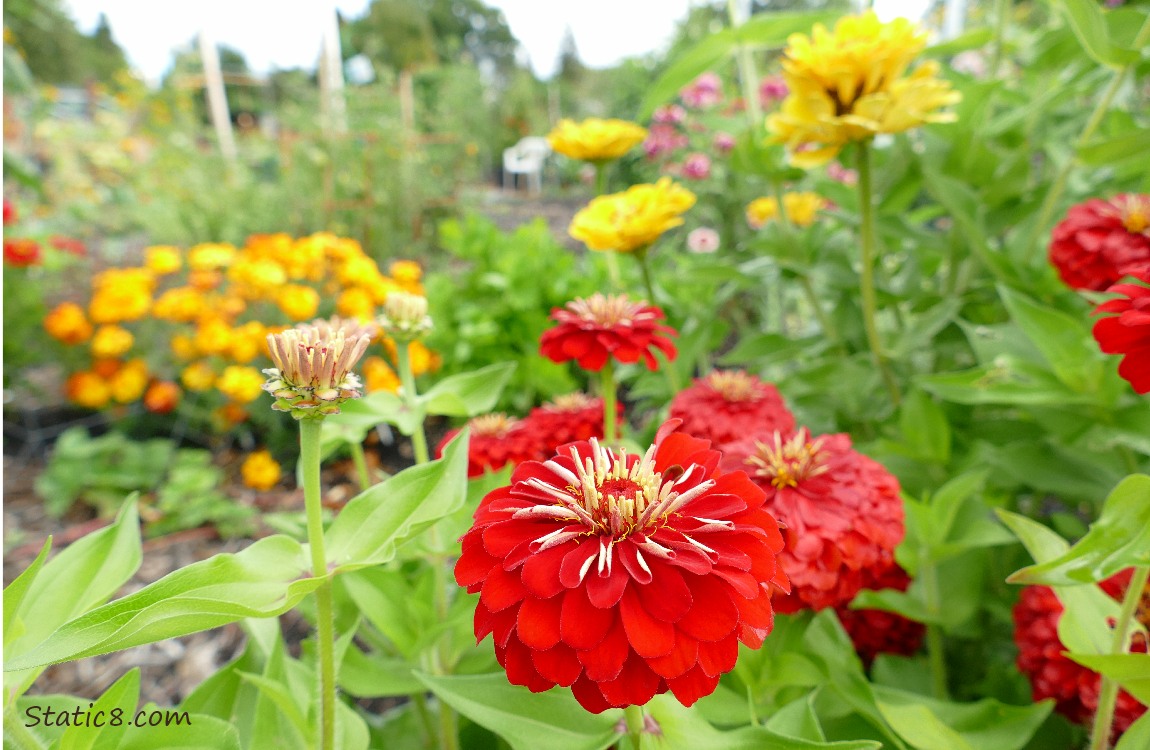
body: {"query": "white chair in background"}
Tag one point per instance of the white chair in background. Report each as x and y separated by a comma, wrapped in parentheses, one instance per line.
(526, 158)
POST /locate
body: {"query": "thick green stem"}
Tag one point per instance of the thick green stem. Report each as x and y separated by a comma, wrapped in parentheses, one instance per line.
(360, 461)
(16, 734)
(634, 718)
(607, 386)
(645, 268)
(1054, 195)
(936, 653)
(448, 727)
(610, 257)
(1108, 691)
(309, 456)
(866, 279)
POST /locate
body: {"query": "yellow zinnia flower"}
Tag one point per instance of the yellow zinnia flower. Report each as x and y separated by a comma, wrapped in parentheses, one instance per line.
(260, 471)
(595, 140)
(852, 84)
(630, 221)
(128, 383)
(198, 376)
(111, 341)
(802, 209)
(298, 302)
(241, 384)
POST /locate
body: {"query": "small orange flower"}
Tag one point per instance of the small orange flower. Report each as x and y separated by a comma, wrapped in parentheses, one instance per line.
(88, 389)
(260, 471)
(111, 341)
(182, 304)
(129, 382)
(162, 259)
(378, 376)
(355, 303)
(162, 397)
(213, 336)
(405, 271)
(68, 324)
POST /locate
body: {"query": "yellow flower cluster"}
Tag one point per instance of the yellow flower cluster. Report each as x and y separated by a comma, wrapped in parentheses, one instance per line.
(852, 83)
(630, 221)
(260, 471)
(802, 209)
(595, 140)
(219, 302)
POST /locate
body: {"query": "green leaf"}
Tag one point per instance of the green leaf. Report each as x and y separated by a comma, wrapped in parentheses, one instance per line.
(264, 580)
(362, 414)
(373, 523)
(468, 394)
(1089, 25)
(18, 589)
(198, 733)
(972, 39)
(924, 428)
(376, 676)
(1126, 151)
(1085, 623)
(1136, 736)
(1119, 539)
(523, 718)
(123, 694)
(1064, 340)
(1008, 380)
(930, 724)
(1131, 671)
(798, 719)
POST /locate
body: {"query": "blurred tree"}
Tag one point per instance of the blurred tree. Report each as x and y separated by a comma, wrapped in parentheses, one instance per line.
(55, 51)
(570, 69)
(394, 34)
(104, 58)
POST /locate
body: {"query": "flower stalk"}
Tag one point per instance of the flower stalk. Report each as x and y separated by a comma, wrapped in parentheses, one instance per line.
(612, 259)
(1108, 689)
(634, 718)
(866, 278)
(309, 440)
(607, 386)
(360, 461)
(935, 650)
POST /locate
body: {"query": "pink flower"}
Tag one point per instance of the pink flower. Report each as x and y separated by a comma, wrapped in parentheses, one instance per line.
(663, 139)
(704, 92)
(697, 167)
(669, 114)
(703, 240)
(724, 142)
(839, 173)
(772, 89)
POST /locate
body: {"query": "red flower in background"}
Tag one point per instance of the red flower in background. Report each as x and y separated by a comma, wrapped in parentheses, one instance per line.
(622, 576)
(1100, 241)
(9, 213)
(1073, 687)
(496, 440)
(594, 329)
(68, 245)
(1127, 331)
(727, 406)
(22, 253)
(876, 631)
(841, 512)
(162, 397)
(566, 419)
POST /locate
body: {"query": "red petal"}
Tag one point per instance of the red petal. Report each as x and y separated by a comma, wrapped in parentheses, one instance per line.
(716, 506)
(648, 636)
(558, 664)
(538, 622)
(714, 615)
(668, 598)
(635, 685)
(582, 624)
(587, 693)
(501, 538)
(692, 686)
(627, 553)
(540, 573)
(719, 657)
(605, 591)
(743, 584)
(501, 590)
(756, 612)
(474, 563)
(520, 669)
(574, 561)
(604, 660)
(683, 656)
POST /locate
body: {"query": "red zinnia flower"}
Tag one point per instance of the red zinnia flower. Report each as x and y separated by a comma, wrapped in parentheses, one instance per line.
(1100, 241)
(566, 419)
(1041, 656)
(22, 252)
(68, 245)
(9, 212)
(841, 512)
(876, 631)
(623, 577)
(1128, 331)
(496, 440)
(731, 405)
(591, 330)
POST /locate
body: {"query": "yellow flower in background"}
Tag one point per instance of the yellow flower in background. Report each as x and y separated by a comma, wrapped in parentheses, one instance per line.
(422, 359)
(260, 471)
(163, 259)
(630, 221)
(241, 384)
(205, 280)
(258, 278)
(111, 341)
(405, 272)
(129, 382)
(198, 377)
(183, 347)
(355, 303)
(802, 209)
(852, 83)
(358, 271)
(211, 256)
(213, 336)
(298, 302)
(121, 294)
(595, 140)
(181, 304)
(378, 376)
(88, 389)
(248, 342)
(68, 324)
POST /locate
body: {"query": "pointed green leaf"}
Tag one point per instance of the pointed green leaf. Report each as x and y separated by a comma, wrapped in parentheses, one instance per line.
(1137, 736)
(361, 414)
(468, 394)
(18, 589)
(1131, 671)
(1089, 25)
(930, 724)
(199, 732)
(123, 694)
(1064, 340)
(373, 523)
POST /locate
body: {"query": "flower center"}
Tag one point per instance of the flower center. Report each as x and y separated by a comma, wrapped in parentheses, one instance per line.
(606, 311)
(1134, 210)
(493, 425)
(733, 385)
(786, 463)
(571, 402)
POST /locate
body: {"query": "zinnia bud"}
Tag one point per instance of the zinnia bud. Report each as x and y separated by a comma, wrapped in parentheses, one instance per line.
(312, 376)
(405, 316)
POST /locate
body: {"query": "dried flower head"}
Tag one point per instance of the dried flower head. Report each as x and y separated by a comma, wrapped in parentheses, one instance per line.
(313, 362)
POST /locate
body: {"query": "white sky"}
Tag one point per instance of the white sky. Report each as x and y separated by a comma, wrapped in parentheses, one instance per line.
(286, 33)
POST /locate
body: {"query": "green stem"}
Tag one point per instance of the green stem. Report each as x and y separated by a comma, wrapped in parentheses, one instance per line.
(611, 258)
(607, 386)
(748, 75)
(820, 314)
(634, 718)
(448, 727)
(420, 702)
(866, 280)
(1001, 15)
(645, 268)
(16, 734)
(1108, 691)
(1054, 195)
(309, 456)
(360, 461)
(936, 653)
